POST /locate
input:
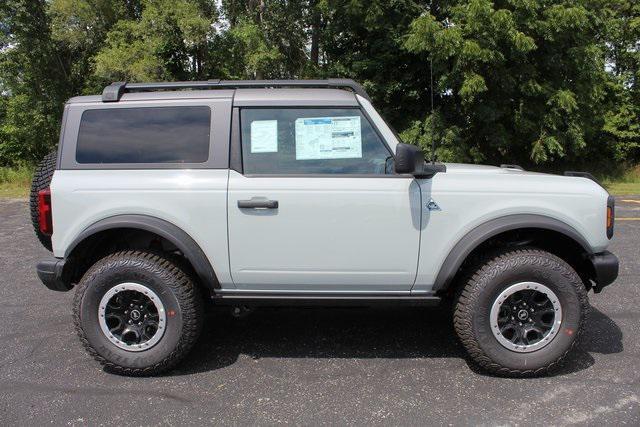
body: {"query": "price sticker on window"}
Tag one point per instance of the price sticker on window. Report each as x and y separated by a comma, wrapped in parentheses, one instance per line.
(328, 138)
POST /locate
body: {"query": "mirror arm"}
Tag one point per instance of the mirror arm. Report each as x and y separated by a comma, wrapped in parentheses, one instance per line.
(430, 169)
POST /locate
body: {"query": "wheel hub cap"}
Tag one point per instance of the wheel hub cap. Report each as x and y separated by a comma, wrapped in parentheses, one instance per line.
(132, 316)
(526, 317)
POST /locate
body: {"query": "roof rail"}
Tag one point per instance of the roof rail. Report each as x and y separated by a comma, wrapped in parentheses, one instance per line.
(114, 91)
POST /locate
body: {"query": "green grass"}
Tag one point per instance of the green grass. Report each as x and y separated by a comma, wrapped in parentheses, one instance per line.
(624, 185)
(15, 182)
(623, 188)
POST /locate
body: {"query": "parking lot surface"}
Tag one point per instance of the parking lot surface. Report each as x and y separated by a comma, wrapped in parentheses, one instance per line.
(310, 366)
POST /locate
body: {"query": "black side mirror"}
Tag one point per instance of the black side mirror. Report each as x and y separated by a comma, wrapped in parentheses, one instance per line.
(410, 160)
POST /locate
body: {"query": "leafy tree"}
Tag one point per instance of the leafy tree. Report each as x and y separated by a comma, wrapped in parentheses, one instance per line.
(363, 40)
(545, 83)
(34, 72)
(622, 39)
(517, 80)
(267, 39)
(167, 40)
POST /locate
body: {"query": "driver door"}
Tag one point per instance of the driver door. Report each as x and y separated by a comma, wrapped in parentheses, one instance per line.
(316, 207)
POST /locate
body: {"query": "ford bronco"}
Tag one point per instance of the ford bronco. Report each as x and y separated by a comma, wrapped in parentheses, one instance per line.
(162, 196)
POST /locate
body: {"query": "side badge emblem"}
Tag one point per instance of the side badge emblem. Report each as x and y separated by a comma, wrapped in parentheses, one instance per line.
(433, 206)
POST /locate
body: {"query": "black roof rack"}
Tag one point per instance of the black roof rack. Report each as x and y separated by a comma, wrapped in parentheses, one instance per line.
(114, 91)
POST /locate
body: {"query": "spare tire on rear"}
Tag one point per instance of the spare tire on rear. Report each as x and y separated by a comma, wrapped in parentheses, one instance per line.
(41, 180)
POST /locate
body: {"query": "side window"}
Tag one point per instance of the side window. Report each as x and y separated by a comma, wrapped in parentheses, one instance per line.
(144, 135)
(311, 141)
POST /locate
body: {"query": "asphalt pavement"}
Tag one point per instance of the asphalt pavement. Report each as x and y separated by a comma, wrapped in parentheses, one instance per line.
(400, 366)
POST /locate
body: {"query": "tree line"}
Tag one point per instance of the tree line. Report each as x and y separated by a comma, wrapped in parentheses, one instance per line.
(541, 83)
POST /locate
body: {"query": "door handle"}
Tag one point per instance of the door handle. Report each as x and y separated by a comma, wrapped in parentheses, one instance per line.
(258, 204)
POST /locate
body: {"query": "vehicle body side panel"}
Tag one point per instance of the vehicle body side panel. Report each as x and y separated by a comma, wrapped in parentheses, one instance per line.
(467, 200)
(193, 200)
(328, 234)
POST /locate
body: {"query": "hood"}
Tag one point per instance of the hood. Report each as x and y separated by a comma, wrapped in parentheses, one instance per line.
(464, 168)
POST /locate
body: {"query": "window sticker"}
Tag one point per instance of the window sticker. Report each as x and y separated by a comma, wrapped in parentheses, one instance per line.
(264, 136)
(328, 138)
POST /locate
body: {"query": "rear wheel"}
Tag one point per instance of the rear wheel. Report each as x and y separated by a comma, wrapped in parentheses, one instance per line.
(520, 312)
(41, 180)
(137, 313)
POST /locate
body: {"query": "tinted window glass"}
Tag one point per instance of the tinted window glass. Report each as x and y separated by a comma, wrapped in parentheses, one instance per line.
(144, 135)
(311, 141)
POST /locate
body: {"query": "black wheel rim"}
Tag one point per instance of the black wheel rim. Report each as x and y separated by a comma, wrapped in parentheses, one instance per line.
(526, 316)
(132, 316)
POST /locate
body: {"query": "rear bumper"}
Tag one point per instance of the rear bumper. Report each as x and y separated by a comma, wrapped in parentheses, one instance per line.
(605, 265)
(51, 274)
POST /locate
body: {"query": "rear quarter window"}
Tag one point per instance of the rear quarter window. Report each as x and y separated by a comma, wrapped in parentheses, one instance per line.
(144, 135)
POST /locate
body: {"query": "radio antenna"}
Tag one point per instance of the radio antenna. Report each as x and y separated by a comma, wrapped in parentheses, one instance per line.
(433, 140)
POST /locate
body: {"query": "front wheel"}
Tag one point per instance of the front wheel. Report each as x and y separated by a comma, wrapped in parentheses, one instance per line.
(520, 312)
(137, 313)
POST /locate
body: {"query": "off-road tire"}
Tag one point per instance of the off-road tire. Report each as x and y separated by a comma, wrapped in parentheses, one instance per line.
(178, 294)
(41, 180)
(493, 274)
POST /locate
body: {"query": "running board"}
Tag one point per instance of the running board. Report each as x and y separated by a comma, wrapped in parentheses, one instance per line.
(294, 299)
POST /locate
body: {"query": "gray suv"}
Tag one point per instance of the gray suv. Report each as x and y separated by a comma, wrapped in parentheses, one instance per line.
(165, 195)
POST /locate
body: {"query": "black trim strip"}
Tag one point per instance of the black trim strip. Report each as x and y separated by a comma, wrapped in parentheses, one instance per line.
(235, 145)
(483, 232)
(171, 232)
(328, 175)
(279, 298)
(583, 175)
(508, 166)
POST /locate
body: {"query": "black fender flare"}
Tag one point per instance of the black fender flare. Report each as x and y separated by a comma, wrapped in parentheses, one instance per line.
(481, 233)
(178, 237)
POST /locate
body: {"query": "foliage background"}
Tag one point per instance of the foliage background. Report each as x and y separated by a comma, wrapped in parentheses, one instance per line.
(547, 84)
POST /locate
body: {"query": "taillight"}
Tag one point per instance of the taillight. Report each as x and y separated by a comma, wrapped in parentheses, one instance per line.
(44, 210)
(611, 215)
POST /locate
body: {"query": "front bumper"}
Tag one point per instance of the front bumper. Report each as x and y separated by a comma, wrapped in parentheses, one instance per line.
(51, 272)
(605, 265)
